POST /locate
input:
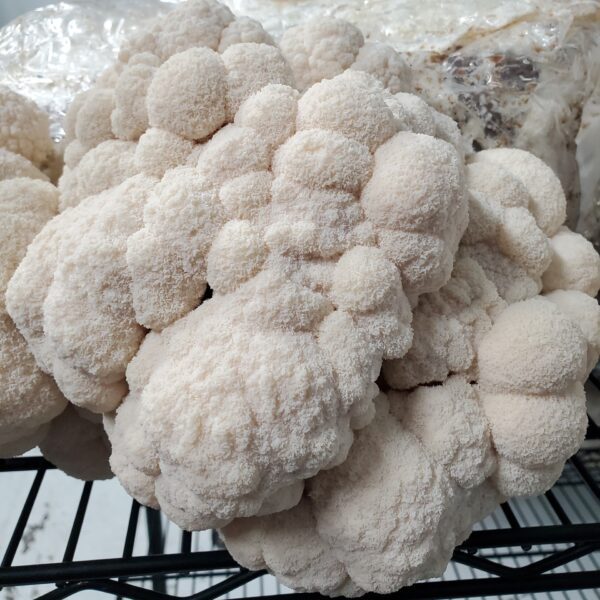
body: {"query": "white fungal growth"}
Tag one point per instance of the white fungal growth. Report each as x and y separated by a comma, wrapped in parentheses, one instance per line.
(345, 243)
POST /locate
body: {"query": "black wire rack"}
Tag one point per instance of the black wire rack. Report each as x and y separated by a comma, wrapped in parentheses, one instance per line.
(533, 546)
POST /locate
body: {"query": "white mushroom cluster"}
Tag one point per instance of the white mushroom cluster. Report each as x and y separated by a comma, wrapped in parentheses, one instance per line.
(488, 403)
(299, 315)
(33, 411)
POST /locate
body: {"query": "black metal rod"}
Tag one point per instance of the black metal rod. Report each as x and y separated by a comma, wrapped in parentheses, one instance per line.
(115, 588)
(15, 539)
(558, 559)
(220, 559)
(186, 542)
(62, 592)
(116, 567)
(547, 563)
(482, 564)
(557, 508)
(186, 574)
(229, 584)
(420, 591)
(477, 587)
(585, 475)
(513, 521)
(138, 593)
(134, 514)
(24, 463)
(579, 495)
(557, 534)
(155, 536)
(156, 544)
(78, 522)
(519, 554)
(510, 516)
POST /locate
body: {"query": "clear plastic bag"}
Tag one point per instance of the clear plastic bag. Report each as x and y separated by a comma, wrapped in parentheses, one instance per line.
(52, 53)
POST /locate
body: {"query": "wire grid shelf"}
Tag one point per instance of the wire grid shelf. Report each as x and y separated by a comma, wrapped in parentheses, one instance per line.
(545, 547)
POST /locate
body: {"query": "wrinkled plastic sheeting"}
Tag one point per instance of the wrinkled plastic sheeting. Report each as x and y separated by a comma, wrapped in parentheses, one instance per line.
(52, 53)
(519, 73)
(588, 159)
(527, 86)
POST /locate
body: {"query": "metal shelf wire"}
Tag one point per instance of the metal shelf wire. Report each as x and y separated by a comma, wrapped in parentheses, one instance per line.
(530, 546)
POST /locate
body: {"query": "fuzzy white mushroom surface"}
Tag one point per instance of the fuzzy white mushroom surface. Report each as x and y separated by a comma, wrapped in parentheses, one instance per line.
(33, 411)
(488, 402)
(24, 128)
(29, 398)
(447, 453)
(222, 173)
(254, 240)
(284, 216)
